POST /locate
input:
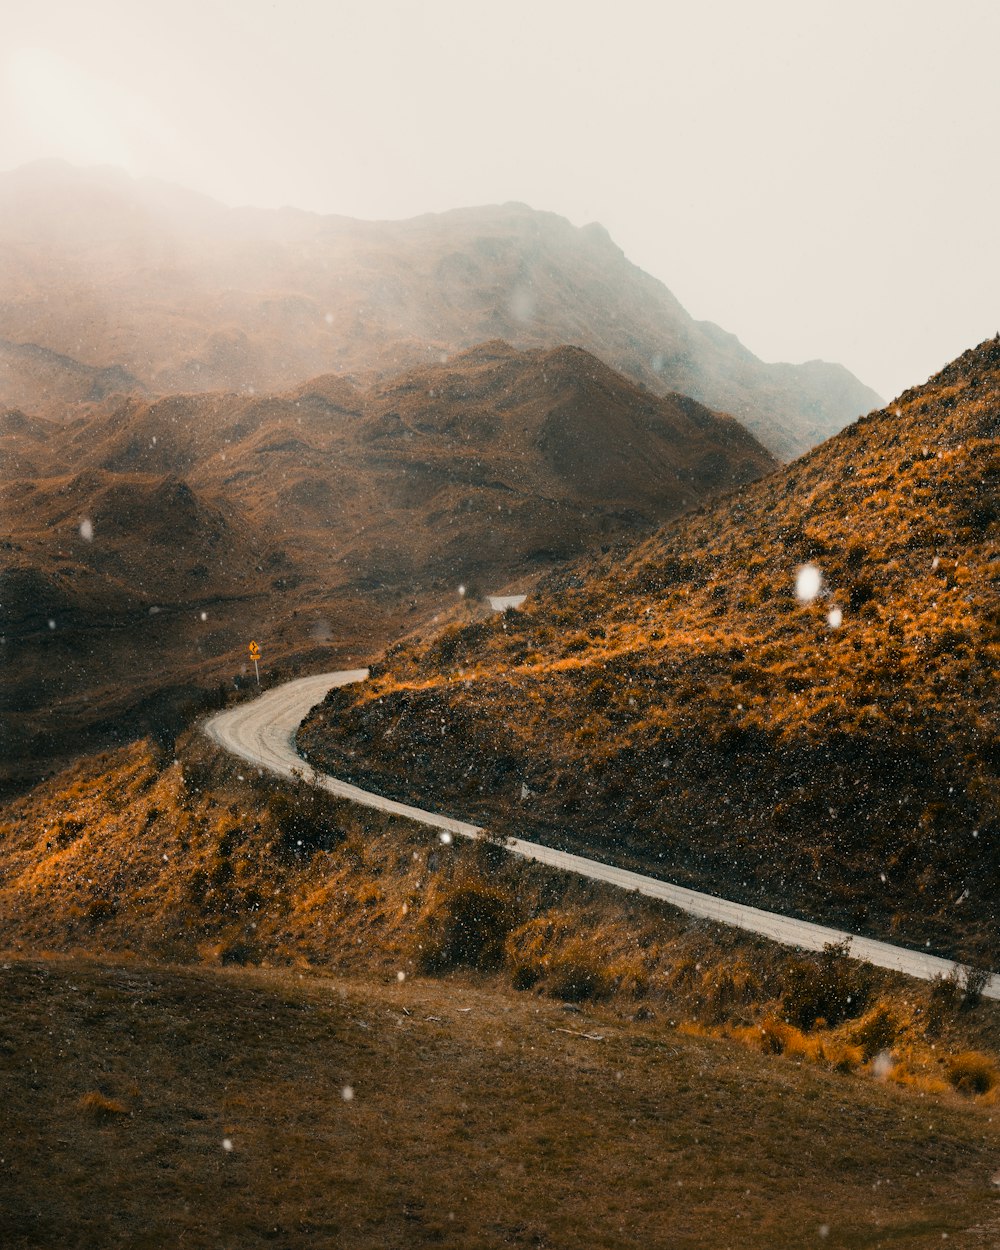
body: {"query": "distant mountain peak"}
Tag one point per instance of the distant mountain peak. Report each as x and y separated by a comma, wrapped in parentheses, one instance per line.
(185, 294)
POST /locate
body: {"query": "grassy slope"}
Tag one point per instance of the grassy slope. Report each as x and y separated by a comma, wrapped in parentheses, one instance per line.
(477, 1120)
(482, 1115)
(676, 707)
(202, 860)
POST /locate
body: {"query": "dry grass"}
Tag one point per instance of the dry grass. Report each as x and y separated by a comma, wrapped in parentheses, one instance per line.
(484, 1112)
(479, 1118)
(676, 708)
(973, 1073)
(198, 861)
(99, 1106)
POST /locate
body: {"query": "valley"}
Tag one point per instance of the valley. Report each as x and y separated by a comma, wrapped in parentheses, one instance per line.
(150, 540)
(753, 658)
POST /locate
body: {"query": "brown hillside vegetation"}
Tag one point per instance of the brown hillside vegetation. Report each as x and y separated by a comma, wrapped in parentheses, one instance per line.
(680, 709)
(323, 522)
(417, 975)
(198, 858)
(204, 1108)
(127, 629)
(48, 384)
(185, 295)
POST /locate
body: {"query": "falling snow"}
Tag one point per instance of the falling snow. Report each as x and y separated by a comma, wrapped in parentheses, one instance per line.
(808, 583)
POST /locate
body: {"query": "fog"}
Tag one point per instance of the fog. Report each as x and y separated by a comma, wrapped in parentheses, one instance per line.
(820, 180)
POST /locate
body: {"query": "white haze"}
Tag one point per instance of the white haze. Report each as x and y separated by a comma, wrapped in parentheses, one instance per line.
(820, 179)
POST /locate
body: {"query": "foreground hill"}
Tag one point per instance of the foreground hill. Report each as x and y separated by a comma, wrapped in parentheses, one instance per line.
(681, 708)
(417, 975)
(184, 294)
(161, 1106)
(149, 540)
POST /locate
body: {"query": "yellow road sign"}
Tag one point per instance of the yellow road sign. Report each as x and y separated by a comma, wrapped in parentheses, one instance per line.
(254, 652)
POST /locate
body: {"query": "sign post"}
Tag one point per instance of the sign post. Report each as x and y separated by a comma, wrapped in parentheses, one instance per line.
(255, 656)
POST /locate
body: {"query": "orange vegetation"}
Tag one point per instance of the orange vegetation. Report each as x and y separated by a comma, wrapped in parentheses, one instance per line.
(199, 859)
(676, 706)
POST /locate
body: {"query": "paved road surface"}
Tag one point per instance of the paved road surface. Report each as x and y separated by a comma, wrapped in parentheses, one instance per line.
(263, 732)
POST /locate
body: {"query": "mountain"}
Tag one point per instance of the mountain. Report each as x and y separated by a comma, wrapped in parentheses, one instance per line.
(123, 598)
(788, 697)
(48, 384)
(182, 294)
(150, 539)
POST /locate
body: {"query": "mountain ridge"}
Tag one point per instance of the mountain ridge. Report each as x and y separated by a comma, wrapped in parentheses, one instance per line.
(195, 296)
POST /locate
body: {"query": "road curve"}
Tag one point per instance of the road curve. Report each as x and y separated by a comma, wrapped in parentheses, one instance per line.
(263, 732)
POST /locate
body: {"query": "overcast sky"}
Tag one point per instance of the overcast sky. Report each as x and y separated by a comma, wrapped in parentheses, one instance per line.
(821, 179)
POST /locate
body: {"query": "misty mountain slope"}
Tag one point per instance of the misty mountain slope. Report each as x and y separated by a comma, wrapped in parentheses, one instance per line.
(557, 423)
(187, 295)
(47, 383)
(160, 535)
(681, 709)
(495, 425)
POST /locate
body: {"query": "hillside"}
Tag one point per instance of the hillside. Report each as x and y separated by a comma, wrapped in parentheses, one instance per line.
(189, 856)
(48, 384)
(195, 954)
(149, 539)
(122, 627)
(152, 1106)
(683, 709)
(154, 282)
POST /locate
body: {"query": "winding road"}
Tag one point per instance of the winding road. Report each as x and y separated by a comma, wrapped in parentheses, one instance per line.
(263, 732)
